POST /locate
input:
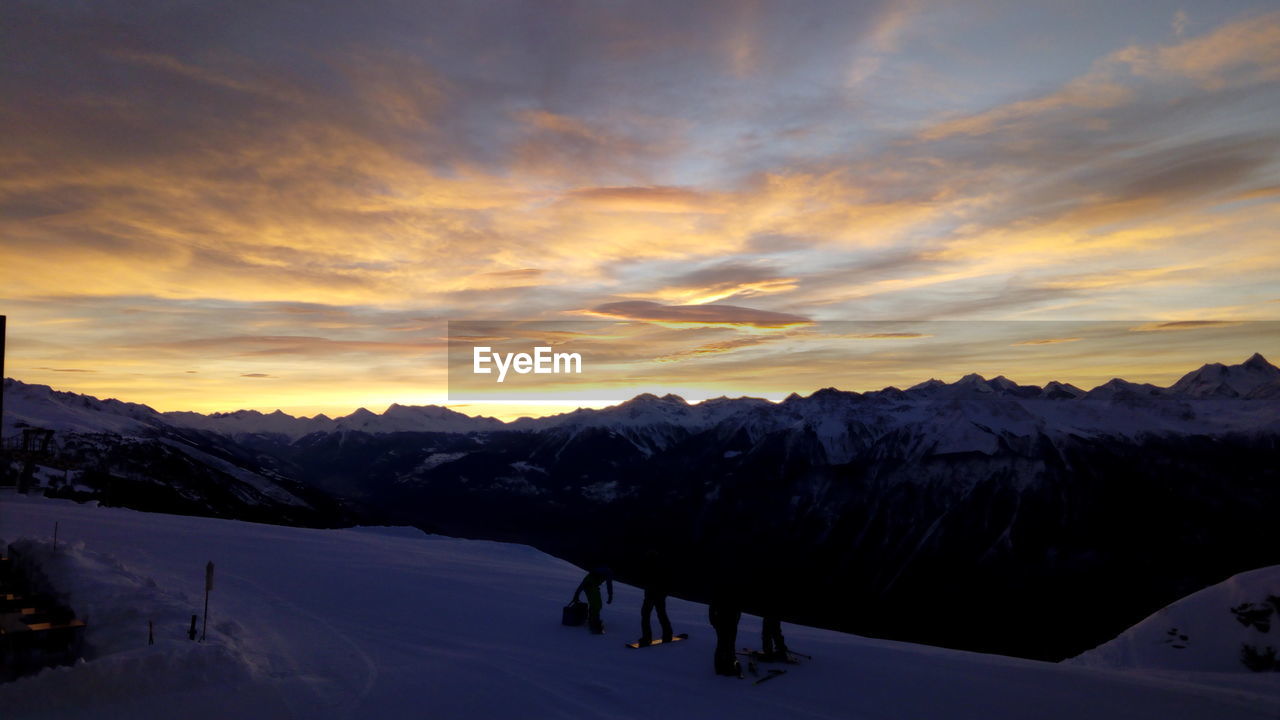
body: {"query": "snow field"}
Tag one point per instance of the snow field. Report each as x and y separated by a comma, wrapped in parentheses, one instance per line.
(387, 623)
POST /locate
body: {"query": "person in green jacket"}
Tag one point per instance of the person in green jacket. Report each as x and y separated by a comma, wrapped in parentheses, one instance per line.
(591, 586)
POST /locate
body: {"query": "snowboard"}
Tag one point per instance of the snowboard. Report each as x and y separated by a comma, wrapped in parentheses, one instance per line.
(658, 641)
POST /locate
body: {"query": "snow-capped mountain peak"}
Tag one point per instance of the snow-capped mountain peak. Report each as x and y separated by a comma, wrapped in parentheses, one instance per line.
(1218, 380)
(1055, 390)
(973, 382)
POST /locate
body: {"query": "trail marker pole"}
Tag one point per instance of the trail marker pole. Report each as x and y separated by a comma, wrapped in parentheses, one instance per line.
(208, 586)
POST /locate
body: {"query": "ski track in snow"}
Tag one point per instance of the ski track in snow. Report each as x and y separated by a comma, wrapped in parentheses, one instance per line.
(373, 623)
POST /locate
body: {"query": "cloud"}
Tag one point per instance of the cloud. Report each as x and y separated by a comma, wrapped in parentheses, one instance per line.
(175, 194)
(1047, 341)
(256, 375)
(293, 345)
(1270, 191)
(719, 347)
(886, 336)
(1123, 278)
(642, 199)
(501, 279)
(975, 304)
(881, 40)
(66, 370)
(723, 281)
(200, 74)
(646, 311)
(1189, 172)
(1242, 52)
(1177, 325)
(1094, 91)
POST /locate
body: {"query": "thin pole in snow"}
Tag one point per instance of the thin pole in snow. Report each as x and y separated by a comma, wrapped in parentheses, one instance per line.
(55, 534)
(208, 586)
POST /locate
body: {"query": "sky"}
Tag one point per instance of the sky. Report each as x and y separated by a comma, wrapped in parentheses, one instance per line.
(221, 205)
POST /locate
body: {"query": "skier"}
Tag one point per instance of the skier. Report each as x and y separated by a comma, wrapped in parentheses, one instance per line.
(775, 647)
(657, 583)
(724, 612)
(591, 586)
(773, 601)
(772, 605)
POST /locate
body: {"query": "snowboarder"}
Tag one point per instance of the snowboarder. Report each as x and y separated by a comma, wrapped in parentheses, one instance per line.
(724, 612)
(591, 586)
(657, 583)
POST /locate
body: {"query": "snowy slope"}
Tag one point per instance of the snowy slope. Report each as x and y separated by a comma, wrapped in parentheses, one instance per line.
(1203, 631)
(369, 623)
(64, 412)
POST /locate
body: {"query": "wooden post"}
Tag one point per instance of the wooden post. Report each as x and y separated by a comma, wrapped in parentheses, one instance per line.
(151, 632)
(55, 535)
(208, 586)
(191, 634)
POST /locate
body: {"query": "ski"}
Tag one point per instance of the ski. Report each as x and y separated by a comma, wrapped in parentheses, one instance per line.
(658, 641)
(772, 674)
(791, 658)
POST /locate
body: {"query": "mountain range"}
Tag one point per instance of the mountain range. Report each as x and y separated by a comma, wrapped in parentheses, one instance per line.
(1255, 378)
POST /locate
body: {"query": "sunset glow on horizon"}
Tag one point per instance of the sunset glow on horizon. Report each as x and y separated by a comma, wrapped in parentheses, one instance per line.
(221, 206)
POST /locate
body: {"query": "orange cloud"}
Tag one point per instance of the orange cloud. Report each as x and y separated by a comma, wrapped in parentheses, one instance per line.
(1177, 325)
(717, 348)
(1047, 341)
(728, 315)
(644, 199)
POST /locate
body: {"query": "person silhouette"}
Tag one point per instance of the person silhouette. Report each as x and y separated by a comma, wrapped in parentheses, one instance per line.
(655, 576)
(724, 613)
(600, 575)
